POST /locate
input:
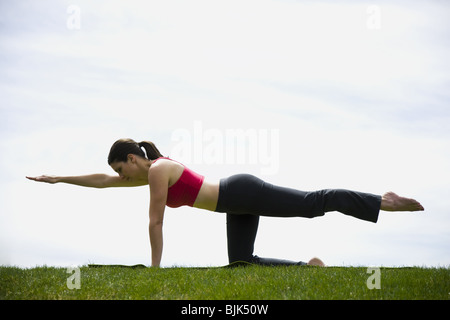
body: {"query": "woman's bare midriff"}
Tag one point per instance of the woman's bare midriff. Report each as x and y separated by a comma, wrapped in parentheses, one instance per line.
(207, 196)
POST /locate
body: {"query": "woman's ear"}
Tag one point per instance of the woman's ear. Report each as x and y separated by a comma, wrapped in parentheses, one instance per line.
(131, 158)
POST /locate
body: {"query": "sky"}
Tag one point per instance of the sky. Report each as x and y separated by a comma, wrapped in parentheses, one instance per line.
(341, 94)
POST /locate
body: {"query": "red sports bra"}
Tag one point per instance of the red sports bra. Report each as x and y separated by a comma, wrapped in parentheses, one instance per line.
(185, 190)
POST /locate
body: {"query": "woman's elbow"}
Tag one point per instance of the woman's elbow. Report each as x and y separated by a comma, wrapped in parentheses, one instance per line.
(156, 223)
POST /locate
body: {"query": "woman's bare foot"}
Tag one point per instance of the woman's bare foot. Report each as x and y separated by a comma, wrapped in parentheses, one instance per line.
(392, 202)
(316, 262)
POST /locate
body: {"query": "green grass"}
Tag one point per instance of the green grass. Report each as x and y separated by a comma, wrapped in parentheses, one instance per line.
(252, 282)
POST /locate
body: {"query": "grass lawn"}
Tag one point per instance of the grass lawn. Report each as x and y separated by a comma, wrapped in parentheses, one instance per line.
(249, 283)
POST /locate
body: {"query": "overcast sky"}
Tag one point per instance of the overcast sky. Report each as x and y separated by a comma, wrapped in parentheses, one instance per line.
(342, 94)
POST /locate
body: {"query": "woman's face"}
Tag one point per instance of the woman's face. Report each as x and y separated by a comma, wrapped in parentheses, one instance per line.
(127, 170)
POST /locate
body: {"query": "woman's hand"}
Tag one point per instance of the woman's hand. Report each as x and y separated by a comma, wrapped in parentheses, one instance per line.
(45, 178)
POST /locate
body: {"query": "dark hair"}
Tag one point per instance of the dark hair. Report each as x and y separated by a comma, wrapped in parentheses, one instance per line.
(123, 147)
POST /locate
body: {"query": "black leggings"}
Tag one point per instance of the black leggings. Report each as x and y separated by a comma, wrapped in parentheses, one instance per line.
(244, 198)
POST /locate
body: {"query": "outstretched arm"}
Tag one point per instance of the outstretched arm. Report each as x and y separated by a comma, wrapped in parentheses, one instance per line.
(97, 180)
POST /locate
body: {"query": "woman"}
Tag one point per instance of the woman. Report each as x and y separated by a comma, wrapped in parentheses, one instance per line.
(243, 197)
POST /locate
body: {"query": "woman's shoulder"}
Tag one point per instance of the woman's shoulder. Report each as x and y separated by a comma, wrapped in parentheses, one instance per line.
(165, 166)
(166, 161)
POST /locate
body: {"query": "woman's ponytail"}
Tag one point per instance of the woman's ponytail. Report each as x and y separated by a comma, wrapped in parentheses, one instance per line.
(150, 149)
